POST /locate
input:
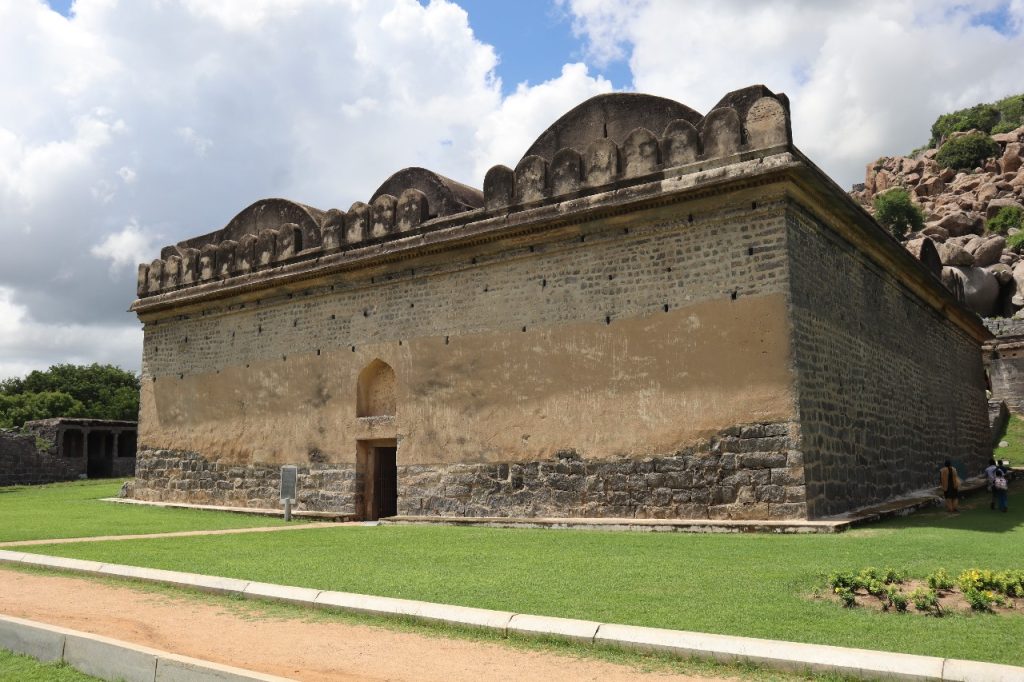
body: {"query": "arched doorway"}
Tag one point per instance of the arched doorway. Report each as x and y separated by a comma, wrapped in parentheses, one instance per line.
(377, 459)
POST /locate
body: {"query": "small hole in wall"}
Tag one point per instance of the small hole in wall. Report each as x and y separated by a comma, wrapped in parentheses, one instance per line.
(291, 296)
(283, 358)
(583, 238)
(154, 379)
(524, 329)
(353, 349)
(611, 277)
(295, 323)
(373, 280)
(446, 340)
(412, 305)
(259, 329)
(607, 319)
(486, 290)
(734, 294)
(247, 365)
(334, 317)
(366, 313)
(186, 339)
(181, 376)
(531, 248)
(669, 269)
(625, 230)
(399, 342)
(750, 251)
(318, 351)
(232, 334)
(543, 283)
(753, 204)
(665, 307)
(474, 260)
(689, 218)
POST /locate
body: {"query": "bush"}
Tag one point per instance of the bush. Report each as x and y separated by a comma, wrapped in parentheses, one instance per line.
(925, 600)
(940, 580)
(980, 600)
(979, 117)
(897, 213)
(1015, 241)
(847, 596)
(967, 151)
(1011, 114)
(1007, 217)
(895, 599)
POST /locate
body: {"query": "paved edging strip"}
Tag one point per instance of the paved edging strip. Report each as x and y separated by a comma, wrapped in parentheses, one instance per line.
(113, 659)
(795, 656)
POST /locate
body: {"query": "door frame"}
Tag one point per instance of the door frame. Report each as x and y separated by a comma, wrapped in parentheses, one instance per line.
(366, 469)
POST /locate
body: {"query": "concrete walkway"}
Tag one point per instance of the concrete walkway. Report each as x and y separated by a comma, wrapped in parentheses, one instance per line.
(794, 656)
(177, 534)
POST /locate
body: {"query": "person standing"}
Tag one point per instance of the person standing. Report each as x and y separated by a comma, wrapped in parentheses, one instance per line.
(990, 476)
(1000, 488)
(950, 484)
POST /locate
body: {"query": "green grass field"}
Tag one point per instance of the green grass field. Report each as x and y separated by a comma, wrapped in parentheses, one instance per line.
(74, 510)
(25, 669)
(753, 585)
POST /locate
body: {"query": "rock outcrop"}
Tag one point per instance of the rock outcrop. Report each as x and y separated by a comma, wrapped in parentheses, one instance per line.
(956, 206)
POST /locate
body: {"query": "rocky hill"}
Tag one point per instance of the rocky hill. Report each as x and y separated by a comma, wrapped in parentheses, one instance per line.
(972, 214)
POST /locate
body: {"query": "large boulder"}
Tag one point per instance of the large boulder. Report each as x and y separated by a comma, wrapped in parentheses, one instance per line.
(980, 287)
(989, 251)
(953, 254)
(959, 223)
(996, 204)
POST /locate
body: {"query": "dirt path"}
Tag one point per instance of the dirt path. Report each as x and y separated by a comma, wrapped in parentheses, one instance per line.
(284, 646)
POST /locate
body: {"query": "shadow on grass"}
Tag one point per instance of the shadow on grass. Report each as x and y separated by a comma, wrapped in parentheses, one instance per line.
(975, 514)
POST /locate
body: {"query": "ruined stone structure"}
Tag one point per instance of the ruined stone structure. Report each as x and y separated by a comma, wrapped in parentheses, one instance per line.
(654, 314)
(1004, 361)
(66, 449)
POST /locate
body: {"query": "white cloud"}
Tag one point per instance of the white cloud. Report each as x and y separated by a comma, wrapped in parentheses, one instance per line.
(864, 78)
(137, 118)
(26, 344)
(127, 248)
(507, 132)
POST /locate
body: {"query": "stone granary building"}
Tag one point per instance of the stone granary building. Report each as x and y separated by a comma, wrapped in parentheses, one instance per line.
(655, 314)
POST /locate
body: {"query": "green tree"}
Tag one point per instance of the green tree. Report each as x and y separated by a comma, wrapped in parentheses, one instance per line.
(100, 391)
(979, 117)
(967, 151)
(897, 213)
(17, 409)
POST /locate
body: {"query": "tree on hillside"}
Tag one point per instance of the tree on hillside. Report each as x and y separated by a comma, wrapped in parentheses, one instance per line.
(998, 117)
(897, 213)
(94, 391)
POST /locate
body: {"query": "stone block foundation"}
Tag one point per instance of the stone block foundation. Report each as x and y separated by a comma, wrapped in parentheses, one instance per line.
(745, 472)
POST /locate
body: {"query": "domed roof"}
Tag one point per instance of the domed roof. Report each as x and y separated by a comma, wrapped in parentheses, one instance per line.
(613, 116)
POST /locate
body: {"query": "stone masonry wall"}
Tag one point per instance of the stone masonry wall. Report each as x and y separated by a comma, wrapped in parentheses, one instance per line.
(22, 464)
(178, 476)
(746, 472)
(887, 387)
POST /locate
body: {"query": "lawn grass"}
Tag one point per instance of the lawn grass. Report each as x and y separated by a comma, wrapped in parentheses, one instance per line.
(27, 669)
(73, 510)
(754, 585)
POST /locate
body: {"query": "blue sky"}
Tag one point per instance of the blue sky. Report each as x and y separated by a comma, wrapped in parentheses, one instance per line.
(132, 124)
